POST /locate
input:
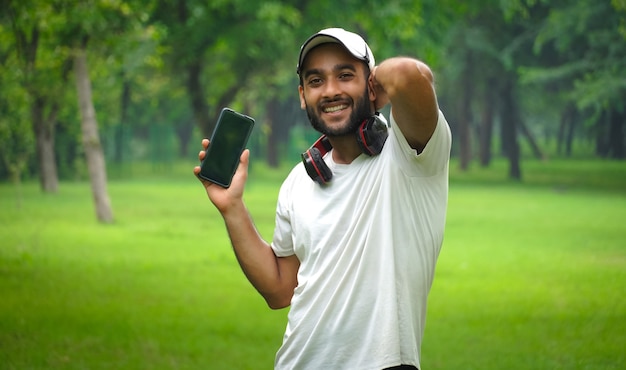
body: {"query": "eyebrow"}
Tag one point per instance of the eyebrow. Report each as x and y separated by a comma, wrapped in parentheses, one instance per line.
(336, 68)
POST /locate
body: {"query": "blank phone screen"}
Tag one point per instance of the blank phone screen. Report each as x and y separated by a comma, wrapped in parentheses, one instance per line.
(226, 145)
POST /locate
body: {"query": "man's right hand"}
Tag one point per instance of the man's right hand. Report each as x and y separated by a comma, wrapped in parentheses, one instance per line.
(224, 198)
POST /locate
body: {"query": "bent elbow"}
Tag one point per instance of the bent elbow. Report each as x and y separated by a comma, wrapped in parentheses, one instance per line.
(278, 299)
(425, 72)
(277, 304)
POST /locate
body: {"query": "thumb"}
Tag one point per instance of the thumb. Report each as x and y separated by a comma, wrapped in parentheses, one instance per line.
(245, 157)
(244, 162)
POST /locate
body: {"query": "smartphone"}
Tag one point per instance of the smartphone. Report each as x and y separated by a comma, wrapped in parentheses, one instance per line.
(228, 141)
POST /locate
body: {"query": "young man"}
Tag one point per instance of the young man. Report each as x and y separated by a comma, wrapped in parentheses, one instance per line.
(353, 253)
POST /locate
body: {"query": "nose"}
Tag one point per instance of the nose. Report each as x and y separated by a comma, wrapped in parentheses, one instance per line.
(332, 88)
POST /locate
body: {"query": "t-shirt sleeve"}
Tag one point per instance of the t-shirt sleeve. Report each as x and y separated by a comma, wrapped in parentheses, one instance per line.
(432, 160)
(282, 241)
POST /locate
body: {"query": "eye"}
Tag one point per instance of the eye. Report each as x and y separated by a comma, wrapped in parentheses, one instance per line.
(315, 81)
(346, 76)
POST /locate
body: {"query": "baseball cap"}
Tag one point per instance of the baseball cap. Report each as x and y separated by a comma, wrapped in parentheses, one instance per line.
(350, 40)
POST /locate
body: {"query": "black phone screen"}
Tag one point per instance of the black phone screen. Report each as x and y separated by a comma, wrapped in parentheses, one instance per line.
(227, 142)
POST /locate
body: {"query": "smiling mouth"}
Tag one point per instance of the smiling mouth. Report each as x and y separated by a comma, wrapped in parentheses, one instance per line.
(335, 108)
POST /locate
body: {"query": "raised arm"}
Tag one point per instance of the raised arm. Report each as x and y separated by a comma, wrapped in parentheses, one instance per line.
(408, 84)
(274, 277)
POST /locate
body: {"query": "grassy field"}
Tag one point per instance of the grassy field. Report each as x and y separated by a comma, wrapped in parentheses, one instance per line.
(532, 275)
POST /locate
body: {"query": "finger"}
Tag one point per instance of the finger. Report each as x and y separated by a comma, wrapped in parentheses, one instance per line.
(205, 143)
(245, 158)
(201, 155)
(196, 172)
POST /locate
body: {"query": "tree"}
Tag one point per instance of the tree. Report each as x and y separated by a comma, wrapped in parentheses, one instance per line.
(16, 136)
(91, 138)
(90, 23)
(219, 47)
(481, 52)
(44, 70)
(587, 39)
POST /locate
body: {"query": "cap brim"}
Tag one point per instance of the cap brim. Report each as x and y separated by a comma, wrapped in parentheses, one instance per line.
(312, 42)
(352, 42)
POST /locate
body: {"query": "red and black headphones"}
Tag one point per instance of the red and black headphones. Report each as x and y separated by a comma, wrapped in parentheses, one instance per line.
(370, 136)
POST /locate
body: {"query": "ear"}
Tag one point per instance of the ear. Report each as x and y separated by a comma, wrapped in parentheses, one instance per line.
(301, 93)
(378, 96)
(372, 88)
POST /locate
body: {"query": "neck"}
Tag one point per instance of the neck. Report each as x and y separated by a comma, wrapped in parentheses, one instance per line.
(345, 149)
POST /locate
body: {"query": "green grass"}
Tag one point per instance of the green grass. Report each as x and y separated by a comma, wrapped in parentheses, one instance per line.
(532, 275)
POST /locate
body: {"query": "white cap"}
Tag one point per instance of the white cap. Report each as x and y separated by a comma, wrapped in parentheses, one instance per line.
(351, 41)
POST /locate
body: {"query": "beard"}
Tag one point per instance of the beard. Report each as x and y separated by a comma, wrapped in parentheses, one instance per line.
(360, 113)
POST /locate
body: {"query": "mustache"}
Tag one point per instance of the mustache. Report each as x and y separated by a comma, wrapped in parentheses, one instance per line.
(335, 100)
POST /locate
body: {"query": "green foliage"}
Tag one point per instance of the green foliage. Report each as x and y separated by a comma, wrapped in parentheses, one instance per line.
(16, 137)
(592, 52)
(142, 54)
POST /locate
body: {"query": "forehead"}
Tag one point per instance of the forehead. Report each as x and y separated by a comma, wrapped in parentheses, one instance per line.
(328, 56)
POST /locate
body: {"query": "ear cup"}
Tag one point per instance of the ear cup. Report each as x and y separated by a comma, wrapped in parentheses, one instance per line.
(372, 135)
(313, 160)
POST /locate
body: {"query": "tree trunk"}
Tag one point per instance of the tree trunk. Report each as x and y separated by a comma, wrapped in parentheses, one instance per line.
(44, 138)
(91, 139)
(567, 117)
(43, 127)
(569, 139)
(560, 134)
(531, 140)
(119, 130)
(486, 127)
(184, 132)
(616, 134)
(273, 113)
(196, 95)
(465, 137)
(510, 118)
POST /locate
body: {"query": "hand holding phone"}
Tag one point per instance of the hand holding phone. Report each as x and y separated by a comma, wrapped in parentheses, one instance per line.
(228, 141)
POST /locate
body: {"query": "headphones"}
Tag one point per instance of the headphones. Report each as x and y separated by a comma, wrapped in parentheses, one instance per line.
(371, 136)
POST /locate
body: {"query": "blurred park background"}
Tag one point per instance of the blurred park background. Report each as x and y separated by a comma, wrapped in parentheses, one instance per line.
(516, 78)
(102, 107)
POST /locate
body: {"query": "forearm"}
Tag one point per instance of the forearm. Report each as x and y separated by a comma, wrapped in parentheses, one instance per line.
(257, 259)
(408, 85)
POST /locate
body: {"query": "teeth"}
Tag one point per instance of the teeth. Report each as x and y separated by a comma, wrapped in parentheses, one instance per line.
(335, 108)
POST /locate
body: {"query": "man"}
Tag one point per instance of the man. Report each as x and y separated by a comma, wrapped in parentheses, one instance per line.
(353, 254)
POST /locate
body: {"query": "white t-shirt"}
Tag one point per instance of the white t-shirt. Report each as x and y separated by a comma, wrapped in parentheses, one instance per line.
(367, 243)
